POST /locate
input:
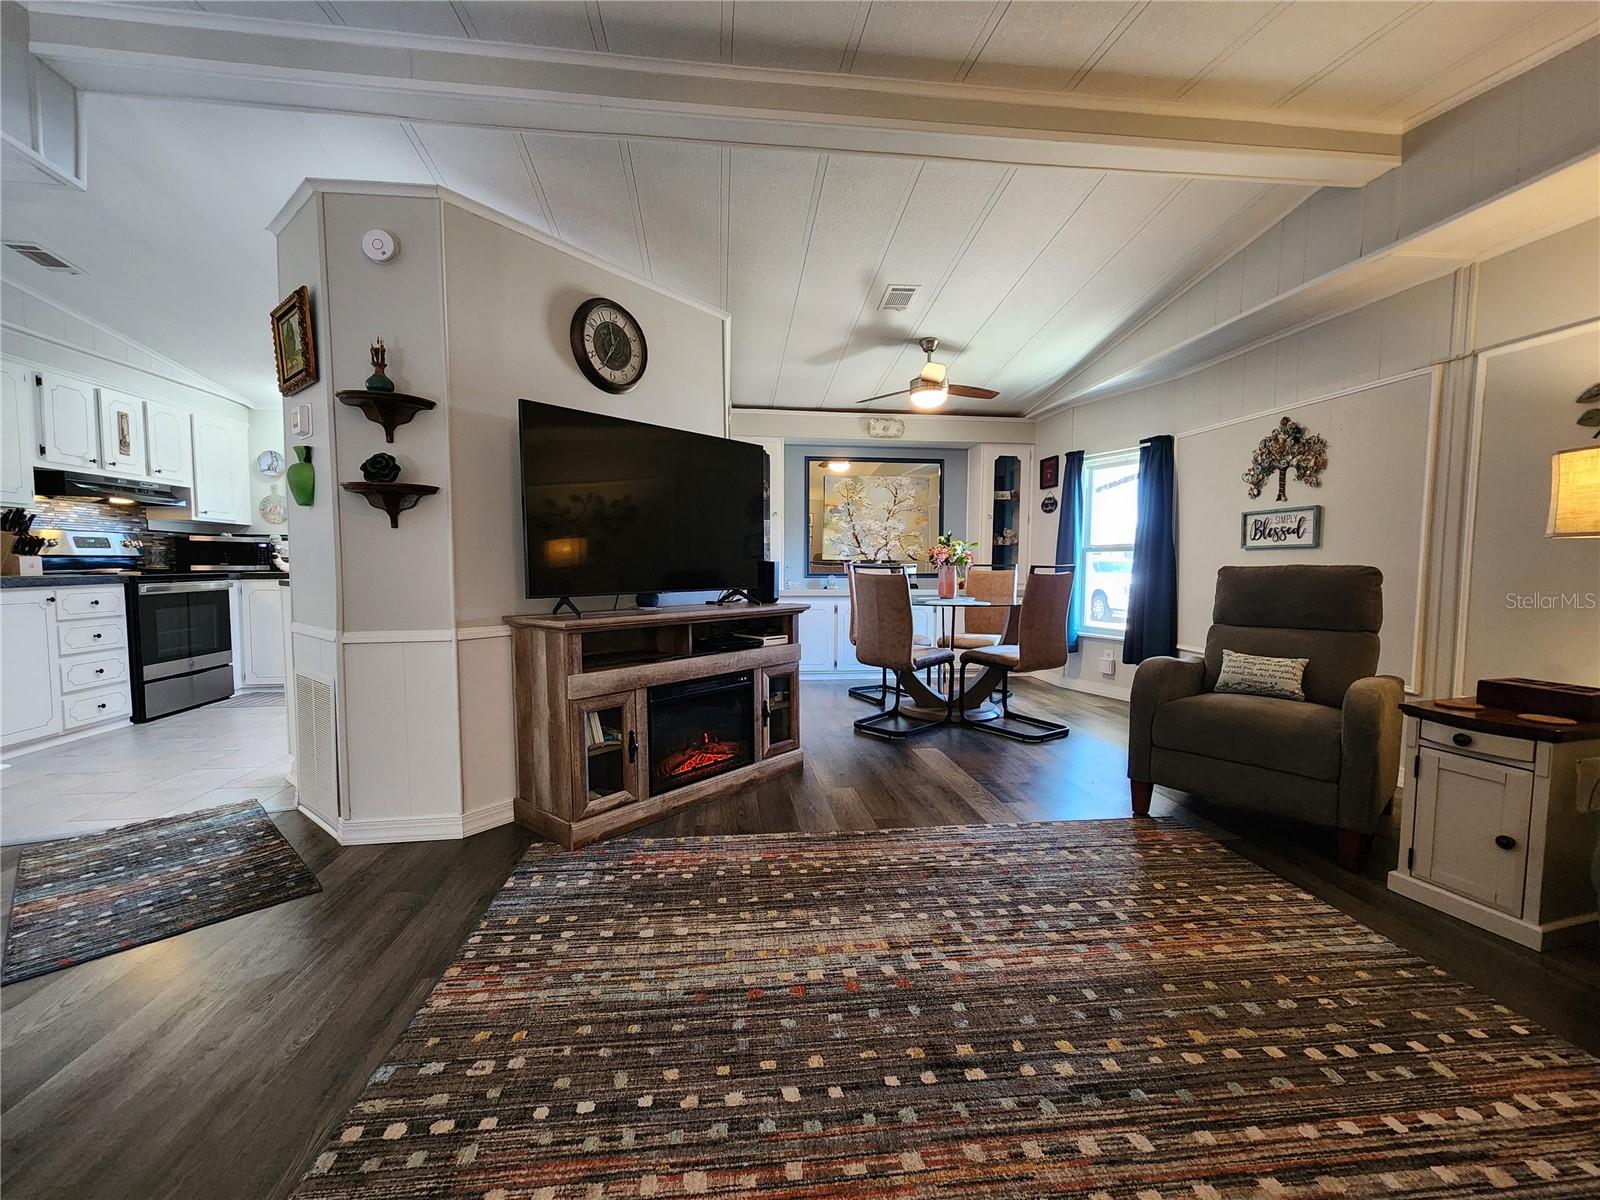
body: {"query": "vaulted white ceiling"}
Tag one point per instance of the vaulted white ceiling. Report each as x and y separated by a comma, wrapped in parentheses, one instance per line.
(1022, 270)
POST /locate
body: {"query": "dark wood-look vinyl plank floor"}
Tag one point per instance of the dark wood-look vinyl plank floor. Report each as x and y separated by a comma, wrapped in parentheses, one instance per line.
(212, 1065)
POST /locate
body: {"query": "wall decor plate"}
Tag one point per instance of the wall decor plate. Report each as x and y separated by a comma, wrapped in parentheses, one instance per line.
(269, 464)
(272, 509)
(1282, 528)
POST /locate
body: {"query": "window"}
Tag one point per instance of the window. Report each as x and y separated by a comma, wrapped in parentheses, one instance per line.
(1111, 514)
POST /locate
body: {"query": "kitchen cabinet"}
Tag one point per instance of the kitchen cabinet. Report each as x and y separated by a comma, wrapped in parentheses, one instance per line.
(30, 702)
(824, 631)
(221, 485)
(815, 630)
(122, 444)
(1001, 500)
(258, 646)
(69, 423)
(16, 434)
(168, 444)
(66, 661)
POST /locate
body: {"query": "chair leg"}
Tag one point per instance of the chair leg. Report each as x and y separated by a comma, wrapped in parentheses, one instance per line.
(1049, 731)
(876, 695)
(1353, 849)
(1141, 796)
(876, 725)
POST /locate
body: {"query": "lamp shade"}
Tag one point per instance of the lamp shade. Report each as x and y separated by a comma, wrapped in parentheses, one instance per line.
(1575, 493)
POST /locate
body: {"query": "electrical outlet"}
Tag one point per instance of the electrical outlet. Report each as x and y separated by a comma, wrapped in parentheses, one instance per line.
(1108, 664)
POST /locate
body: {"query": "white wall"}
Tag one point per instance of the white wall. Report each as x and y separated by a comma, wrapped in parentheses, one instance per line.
(1355, 380)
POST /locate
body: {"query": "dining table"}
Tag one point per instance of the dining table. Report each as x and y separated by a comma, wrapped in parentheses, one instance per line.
(976, 701)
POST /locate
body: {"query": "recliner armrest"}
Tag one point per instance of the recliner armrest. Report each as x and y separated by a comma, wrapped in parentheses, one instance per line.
(1369, 750)
(1158, 681)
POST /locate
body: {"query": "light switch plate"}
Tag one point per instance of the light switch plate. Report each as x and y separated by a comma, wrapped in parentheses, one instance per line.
(300, 421)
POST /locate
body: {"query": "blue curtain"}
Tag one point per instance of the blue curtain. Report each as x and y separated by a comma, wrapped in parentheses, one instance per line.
(1069, 535)
(1153, 598)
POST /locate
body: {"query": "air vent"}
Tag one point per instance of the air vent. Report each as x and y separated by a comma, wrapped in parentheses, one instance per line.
(43, 257)
(898, 297)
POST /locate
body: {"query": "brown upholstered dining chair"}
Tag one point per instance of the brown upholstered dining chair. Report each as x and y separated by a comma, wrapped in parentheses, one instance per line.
(985, 626)
(884, 638)
(1041, 646)
(875, 694)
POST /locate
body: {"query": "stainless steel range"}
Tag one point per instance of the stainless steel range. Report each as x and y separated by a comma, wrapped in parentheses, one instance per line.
(180, 640)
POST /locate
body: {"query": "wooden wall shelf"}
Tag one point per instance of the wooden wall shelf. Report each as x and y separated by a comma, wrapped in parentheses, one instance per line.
(389, 409)
(574, 790)
(393, 498)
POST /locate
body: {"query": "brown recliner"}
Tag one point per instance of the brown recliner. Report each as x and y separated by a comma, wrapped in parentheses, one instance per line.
(1041, 645)
(1332, 758)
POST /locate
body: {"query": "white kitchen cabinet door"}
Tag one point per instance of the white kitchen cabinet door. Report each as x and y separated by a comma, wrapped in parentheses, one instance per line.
(844, 652)
(262, 621)
(1472, 821)
(167, 441)
(220, 481)
(69, 423)
(122, 446)
(815, 629)
(16, 434)
(30, 702)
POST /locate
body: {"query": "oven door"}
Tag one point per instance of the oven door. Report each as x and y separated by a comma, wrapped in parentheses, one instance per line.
(183, 627)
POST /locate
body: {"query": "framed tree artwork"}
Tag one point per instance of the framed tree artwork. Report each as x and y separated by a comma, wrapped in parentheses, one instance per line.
(878, 509)
(294, 347)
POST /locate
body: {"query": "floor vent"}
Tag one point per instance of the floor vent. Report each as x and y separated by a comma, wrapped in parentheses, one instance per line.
(898, 297)
(42, 257)
(316, 765)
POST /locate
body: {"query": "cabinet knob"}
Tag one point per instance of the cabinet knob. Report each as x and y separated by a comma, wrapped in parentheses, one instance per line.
(94, 604)
(633, 745)
(98, 636)
(100, 705)
(1506, 842)
(99, 670)
(49, 599)
(1462, 739)
(155, 470)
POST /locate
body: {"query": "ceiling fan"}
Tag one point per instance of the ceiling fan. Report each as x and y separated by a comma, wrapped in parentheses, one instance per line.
(930, 389)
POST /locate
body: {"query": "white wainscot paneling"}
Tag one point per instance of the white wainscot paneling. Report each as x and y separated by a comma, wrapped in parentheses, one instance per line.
(488, 728)
(400, 740)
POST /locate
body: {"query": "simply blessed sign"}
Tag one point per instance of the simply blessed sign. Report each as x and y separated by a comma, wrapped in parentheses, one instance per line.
(1282, 528)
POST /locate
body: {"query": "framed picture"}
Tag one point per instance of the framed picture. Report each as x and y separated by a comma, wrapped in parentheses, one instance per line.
(1282, 528)
(1049, 472)
(883, 509)
(293, 346)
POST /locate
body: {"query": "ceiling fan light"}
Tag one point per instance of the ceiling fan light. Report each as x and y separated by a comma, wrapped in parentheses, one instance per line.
(929, 396)
(933, 372)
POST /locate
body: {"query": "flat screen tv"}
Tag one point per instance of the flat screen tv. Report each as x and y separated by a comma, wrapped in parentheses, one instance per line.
(613, 506)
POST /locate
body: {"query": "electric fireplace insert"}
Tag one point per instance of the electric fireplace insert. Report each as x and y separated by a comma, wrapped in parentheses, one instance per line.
(700, 728)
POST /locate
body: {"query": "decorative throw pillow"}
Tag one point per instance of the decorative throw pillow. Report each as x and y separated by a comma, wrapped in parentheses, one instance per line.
(1257, 676)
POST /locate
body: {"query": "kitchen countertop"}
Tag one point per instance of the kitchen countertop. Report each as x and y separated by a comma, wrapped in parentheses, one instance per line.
(68, 579)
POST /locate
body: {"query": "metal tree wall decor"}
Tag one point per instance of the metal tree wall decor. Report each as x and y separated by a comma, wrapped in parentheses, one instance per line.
(1288, 446)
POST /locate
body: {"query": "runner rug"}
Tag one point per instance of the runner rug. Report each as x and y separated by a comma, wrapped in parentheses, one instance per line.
(1103, 1009)
(86, 897)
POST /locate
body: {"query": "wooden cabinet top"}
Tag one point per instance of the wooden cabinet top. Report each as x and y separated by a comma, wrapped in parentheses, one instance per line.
(675, 614)
(1502, 721)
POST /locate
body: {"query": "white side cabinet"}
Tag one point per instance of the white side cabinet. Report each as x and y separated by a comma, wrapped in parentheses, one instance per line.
(16, 433)
(1491, 830)
(824, 629)
(66, 660)
(259, 646)
(167, 440)
(122, 442)
(69, 422)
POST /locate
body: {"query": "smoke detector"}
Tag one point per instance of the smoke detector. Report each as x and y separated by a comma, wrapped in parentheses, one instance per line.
(39, 256)
(898, 296)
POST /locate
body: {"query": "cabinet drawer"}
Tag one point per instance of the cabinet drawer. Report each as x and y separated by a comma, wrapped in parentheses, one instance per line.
(89, 602)
(95, 706)
(93, 671)
(1493, 745)
(74, 637)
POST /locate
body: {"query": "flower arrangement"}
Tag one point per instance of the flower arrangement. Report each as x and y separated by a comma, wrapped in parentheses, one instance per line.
(950, 551)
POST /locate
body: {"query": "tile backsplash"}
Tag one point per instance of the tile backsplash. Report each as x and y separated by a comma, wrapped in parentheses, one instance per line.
(55, 511)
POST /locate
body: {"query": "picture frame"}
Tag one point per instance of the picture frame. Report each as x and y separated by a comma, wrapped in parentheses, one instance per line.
(1049, 472)
(294, 344)
(894, 513)
(1281, 528)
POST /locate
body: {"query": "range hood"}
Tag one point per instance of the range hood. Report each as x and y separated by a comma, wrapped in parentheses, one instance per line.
(77, 486)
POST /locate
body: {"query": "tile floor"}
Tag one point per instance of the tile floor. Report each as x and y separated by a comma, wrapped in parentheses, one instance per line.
(208, 756)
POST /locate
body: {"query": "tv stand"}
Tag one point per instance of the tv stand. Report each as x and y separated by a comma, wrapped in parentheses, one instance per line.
(732, 594)
(566, 602)
(593, 761)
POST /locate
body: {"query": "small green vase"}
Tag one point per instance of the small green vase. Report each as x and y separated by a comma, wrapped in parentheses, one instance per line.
(302, 477)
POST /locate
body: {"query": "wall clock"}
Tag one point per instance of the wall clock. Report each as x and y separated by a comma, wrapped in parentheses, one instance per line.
(608, 344)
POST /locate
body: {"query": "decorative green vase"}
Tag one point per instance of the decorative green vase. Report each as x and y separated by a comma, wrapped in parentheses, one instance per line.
(302, 477)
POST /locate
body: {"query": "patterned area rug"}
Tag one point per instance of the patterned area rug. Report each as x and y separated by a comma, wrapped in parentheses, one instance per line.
(1110, 1009)
(86, 897)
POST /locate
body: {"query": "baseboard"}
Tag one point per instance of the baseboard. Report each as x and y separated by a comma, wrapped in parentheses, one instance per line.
(1091, 687)
(487, 816)
(321, 822)
(61, 739)
(355, 831)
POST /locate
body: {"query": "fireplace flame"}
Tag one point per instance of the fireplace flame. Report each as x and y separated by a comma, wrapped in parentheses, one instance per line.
(703, 755)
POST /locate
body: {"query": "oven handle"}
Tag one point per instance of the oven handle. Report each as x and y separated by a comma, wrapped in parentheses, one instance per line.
(197, 585)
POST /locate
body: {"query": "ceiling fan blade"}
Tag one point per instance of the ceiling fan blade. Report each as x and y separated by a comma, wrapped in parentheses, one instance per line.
(885, 396)
(972, 393)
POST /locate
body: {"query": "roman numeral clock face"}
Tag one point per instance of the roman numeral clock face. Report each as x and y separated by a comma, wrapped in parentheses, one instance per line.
(608, 344)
